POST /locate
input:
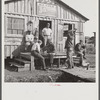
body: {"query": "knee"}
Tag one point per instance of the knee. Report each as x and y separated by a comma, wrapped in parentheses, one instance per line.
(42, 58)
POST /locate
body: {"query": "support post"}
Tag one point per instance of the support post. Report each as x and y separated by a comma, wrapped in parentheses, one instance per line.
(32, 67)
(58, 62)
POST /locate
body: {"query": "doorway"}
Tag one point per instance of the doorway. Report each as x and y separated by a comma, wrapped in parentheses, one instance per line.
(42, 24)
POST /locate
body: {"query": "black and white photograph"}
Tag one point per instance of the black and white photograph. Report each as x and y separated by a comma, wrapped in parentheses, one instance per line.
(49, 41)
(50, 50)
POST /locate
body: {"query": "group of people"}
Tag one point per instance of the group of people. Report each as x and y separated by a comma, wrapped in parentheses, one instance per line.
(32, 43)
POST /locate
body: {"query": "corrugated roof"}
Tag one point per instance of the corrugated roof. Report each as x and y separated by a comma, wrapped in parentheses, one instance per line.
(67, 6)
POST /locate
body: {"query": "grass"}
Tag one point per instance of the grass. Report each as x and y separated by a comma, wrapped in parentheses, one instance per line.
(91, 59)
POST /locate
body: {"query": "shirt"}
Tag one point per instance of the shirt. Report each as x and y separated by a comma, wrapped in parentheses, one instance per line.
(47, 31)
(79, 47)
(50, 48)
(29, 38)
(36, 47)
(70, 41)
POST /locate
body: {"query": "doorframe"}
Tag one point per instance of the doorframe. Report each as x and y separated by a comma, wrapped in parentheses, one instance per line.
(46, 21)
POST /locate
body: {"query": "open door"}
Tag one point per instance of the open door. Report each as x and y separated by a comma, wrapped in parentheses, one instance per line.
(42, 24)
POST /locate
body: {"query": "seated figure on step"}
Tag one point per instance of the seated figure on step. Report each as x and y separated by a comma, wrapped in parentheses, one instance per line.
(49, 50)
(80, 51)
(35, 51)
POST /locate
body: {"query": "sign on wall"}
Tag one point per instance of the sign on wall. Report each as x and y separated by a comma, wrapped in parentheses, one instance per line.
(46, 9)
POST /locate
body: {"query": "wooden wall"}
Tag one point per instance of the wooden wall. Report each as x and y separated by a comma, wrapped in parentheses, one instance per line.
(22, 9)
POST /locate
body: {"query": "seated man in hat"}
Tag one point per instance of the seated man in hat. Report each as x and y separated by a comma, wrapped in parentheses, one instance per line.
(50, 50)
(80, 50)
(35, 51)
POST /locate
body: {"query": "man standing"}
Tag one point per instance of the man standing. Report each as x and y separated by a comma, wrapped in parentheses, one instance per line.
(80, 50)
(69, 47)
(46, 33)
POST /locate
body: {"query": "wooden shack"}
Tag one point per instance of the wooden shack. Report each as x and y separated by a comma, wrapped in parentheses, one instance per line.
(61, 17)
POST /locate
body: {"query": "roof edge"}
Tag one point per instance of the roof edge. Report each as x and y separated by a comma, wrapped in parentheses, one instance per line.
(61, 2)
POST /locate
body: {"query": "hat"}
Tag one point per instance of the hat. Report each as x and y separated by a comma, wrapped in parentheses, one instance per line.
(71, 30)
(29, 22)
(81, 40)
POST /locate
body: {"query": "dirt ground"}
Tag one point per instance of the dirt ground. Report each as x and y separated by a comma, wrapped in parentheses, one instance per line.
(38, 75)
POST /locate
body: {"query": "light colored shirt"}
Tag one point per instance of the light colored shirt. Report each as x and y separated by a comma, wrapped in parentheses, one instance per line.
(29, 38)
(36, 46)
(47, 32)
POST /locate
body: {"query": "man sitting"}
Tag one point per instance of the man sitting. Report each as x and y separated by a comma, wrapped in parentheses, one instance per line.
(80, 50)
(35, 51)
(49, 50)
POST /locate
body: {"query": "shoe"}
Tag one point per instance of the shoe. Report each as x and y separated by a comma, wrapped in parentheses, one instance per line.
(44, 69)
(72, 66)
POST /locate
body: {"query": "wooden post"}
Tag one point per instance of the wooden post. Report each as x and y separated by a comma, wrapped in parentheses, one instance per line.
(58, 62)
(32, 67)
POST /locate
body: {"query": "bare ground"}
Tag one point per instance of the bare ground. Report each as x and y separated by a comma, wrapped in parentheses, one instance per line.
(40, 76)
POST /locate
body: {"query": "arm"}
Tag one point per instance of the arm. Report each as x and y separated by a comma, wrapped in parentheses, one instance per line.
(26, 38)
(51, 33)
(33, 47)
(42, 33)
(45, 48)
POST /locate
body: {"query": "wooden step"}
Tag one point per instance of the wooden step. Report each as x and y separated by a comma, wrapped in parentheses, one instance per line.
(16, 64)
(17, 67)
(22, 61)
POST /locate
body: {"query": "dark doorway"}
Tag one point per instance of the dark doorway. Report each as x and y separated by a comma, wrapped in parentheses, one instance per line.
(42, 24)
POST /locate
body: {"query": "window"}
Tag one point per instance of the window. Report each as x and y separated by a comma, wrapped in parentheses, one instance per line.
(66, 28)
(15, 25)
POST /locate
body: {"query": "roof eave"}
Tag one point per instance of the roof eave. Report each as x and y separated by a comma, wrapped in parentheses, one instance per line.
(61, 2)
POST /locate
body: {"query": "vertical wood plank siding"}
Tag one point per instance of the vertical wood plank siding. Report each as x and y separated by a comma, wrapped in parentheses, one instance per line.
(23, 7)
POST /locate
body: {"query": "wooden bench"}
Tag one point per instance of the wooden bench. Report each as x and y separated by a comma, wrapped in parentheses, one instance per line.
(76, 61)
(31, 58)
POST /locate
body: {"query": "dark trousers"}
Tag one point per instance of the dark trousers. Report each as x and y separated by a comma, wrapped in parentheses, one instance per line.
(40, 57)
(50, 55)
